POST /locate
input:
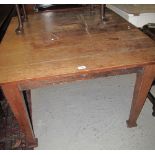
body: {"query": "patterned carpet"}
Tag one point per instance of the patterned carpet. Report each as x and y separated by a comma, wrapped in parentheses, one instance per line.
(11, 137)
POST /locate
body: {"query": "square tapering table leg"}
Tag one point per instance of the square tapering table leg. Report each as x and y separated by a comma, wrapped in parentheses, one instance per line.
(142, 86)
(17, 104)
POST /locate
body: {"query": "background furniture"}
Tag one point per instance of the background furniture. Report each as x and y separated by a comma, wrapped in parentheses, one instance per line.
(137, 14)
(149, 29)
(6, 13)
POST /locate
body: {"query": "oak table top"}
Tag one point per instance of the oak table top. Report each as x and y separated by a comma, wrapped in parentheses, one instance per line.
(56, 44)
(72, 45)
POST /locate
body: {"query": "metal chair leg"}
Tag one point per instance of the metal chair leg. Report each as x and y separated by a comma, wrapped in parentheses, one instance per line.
(24, 13)
(91, 9)
(103, 15)
(20, 28)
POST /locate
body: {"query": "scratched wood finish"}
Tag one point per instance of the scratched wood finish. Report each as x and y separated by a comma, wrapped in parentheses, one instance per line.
(55, 44)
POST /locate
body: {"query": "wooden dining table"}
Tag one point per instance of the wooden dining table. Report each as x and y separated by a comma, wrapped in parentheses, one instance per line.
(64, 46)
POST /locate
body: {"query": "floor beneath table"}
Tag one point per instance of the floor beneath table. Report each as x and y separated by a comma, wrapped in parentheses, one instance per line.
(91, 114)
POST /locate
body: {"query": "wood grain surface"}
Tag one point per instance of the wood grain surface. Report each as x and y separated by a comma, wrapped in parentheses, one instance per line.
(58, 43)
(65, 46)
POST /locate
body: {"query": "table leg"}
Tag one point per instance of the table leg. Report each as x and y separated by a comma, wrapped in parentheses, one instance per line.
(27, 97)
(142, 86)
(16, 102)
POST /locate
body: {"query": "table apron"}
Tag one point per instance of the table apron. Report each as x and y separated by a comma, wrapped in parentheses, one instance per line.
(45, 81)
